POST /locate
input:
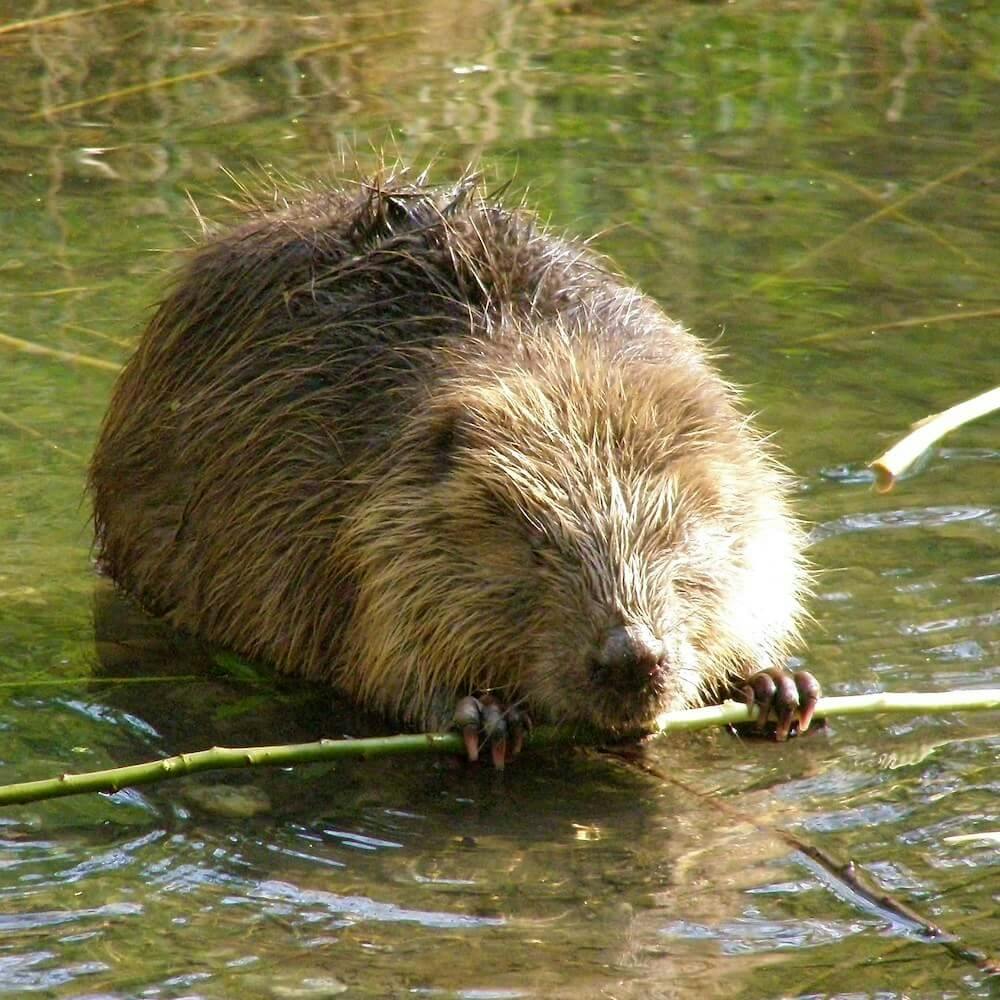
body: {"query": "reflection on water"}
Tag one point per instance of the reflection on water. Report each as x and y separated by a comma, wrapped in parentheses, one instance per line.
(816, 188)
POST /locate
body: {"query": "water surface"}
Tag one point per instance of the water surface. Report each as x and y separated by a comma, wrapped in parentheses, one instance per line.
(813, 187)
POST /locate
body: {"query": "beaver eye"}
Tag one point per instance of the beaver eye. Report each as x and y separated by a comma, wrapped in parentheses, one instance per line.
(495, 511)
(539, 543)
(446, 436)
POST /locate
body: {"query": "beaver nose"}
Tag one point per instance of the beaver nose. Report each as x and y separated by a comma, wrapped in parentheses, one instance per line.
(628, 660)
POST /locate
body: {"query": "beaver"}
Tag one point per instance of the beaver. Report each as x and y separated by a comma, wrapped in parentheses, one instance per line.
(396, 436)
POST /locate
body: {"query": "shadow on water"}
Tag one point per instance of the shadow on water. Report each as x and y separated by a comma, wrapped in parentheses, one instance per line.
(606, 873)
(204, 697)
(570, 850)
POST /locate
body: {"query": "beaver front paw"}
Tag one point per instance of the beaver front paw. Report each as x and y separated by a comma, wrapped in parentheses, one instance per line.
(789, 698)
(485, 722)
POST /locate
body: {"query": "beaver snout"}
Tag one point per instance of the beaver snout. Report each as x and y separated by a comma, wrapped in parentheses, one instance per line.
(629, 660)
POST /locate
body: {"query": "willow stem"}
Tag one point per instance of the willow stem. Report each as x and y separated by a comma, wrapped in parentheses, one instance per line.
(283, 755)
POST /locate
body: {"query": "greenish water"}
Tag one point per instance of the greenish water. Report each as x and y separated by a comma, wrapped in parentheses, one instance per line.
(813, 185)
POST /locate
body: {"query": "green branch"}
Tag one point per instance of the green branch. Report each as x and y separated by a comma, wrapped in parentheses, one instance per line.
(223, 758)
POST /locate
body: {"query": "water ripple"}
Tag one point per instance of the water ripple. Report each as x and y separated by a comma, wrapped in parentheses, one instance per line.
(917, 517)
(290, 899)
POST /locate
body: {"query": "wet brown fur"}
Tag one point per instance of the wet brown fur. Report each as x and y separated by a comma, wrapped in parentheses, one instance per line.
(403, 439)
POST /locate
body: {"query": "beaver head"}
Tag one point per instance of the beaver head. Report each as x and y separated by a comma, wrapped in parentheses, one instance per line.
(575, 523)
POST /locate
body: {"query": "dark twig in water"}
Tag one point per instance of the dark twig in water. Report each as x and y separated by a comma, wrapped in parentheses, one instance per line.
(845, 879)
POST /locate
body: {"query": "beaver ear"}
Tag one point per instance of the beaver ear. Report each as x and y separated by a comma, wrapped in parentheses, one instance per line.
(446, 435)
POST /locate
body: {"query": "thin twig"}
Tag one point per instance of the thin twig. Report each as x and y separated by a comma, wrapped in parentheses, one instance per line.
(959, 316)
(40, 350)
(137, 88)
(31, 23)
(6, 418)
(929, 231)
(888, 209)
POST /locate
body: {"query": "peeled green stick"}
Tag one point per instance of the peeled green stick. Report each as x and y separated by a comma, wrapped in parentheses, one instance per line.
(907, 702)
(893, 463)
(223, 758)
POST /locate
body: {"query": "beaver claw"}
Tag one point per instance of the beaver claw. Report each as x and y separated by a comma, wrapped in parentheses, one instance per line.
(789, 697)
(485, 722)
